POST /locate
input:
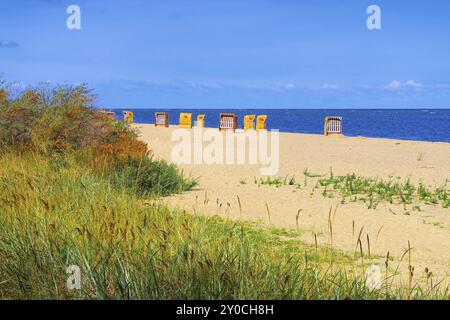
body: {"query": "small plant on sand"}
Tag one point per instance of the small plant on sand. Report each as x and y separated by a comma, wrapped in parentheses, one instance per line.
(278, 182)
(372, 191)
(308, 174)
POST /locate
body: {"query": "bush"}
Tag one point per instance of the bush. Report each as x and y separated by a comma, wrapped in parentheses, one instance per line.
(4, 97)
(60, 122)
(146, 176)
(18, 118)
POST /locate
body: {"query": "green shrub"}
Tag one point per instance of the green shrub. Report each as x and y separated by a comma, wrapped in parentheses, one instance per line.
(147, 176)
(61, 122)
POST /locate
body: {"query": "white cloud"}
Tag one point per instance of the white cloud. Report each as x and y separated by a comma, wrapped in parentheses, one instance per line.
(413, 84)
(278, 86)
(327, 86)
(289, 86)
(410, 84)
(394, 85)
(205, 85)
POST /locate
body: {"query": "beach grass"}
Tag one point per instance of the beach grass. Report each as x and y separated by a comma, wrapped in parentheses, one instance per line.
(55, 215)
(371, 191)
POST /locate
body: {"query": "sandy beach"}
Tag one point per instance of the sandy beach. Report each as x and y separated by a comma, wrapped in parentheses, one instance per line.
(389, 226)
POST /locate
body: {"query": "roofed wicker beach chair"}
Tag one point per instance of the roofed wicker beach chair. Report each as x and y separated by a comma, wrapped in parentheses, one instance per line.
(261, 122)
(201, 121)
(249, 122)
(128, 116)
(228, 121)
(161, 119)
(332, 125)
(111, 114)
(185, 120)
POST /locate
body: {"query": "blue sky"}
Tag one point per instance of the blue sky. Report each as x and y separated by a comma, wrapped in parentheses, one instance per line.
(234, 54)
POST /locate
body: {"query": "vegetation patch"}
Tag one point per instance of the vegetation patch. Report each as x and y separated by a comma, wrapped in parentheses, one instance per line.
(53, 216)
(61, 124)
(371, 191)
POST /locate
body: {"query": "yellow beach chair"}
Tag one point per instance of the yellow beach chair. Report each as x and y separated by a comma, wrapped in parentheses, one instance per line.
(201, 121)
(332, 125)
(128, 116)
(185, 120)
(249, 122)
(261, 122)
(161, 119)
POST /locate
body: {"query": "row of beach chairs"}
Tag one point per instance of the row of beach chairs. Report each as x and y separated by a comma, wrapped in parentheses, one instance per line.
(229, 121)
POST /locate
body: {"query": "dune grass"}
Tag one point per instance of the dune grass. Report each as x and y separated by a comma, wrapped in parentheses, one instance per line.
(371, 191)
(55, 214)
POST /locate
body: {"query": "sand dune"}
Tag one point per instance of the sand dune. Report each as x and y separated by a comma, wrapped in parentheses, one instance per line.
(389, 226)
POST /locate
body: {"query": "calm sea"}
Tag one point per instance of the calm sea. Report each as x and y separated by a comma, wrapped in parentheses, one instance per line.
(423, 125)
